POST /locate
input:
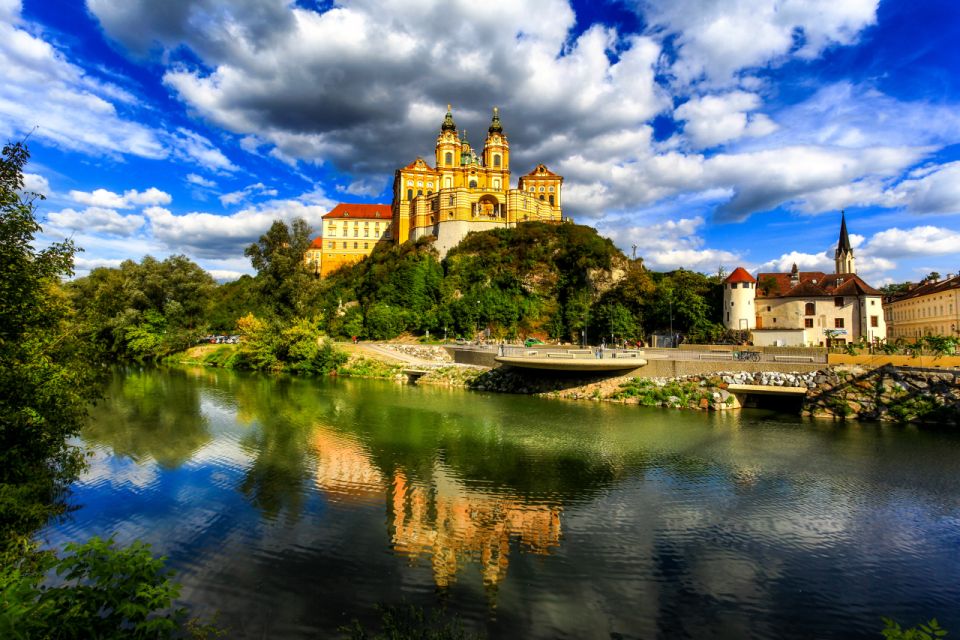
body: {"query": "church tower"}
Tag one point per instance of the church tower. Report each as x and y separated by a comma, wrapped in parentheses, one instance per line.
(448, 145)
(496, 155)
(844, 254)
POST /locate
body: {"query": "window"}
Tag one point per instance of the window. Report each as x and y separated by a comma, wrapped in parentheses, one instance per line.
(448, 158)
(451, 201)
(419, 192)
(496, 159)
(728, 316)
(838, 323)
(355, 245)
(808, 323)
(366, 245)
(496, 184)
(409, 194)
(473, 184)
(541, 198)
(541, 189)
(550, 189)
(356, 232)
(768, 308)
(874, 321)
(838, 301)
(810, 309)
(774, 321)
(551, 200)
(733, 285)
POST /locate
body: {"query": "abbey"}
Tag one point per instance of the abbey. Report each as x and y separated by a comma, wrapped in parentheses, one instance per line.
(806, 308)
(462, 192)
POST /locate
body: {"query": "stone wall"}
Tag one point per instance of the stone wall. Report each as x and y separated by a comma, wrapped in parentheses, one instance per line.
(886, 393)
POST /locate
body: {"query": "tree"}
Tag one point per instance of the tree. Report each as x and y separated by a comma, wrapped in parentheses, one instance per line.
(47, 373)
(278, 258)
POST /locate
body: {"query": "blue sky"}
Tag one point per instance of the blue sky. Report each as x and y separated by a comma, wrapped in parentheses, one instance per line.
(706, 133)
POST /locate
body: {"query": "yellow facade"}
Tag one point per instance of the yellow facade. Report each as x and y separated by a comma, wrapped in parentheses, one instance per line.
(466, 192)
(350, 234)
(929, 309)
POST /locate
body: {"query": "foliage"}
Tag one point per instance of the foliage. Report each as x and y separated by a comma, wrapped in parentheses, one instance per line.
(282, 277)
(649, 394)
(367, 368)
(929, 631)
(103, 592)
(268, 345)
(47, 371)
(410, 622)
(145, 311)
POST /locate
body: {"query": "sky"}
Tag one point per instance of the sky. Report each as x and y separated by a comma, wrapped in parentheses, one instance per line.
(708, 134)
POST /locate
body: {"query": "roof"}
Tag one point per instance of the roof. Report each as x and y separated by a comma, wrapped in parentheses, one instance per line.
(930, 287)
(541, 171)
(345, 210)
(843, 244)
(740, 275)
(813, 284)
(316, 244)
(418, 165)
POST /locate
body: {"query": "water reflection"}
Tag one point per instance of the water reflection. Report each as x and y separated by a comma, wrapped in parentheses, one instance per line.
(532, 518)
(146, 416)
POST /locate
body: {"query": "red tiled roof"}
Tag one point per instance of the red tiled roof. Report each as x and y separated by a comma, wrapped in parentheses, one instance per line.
(812, 284)
(740, 275)
(317, 243)
(926, 288)
(344, 210)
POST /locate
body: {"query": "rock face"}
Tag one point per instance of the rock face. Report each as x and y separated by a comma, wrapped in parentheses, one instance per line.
(886, 393)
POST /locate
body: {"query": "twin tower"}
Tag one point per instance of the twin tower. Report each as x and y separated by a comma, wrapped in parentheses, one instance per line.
(466, 192)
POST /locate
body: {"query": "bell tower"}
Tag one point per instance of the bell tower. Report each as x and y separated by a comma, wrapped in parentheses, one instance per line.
(448, 144)
(844, 254)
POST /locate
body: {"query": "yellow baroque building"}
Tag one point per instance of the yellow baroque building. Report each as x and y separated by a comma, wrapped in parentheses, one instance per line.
(467, 192)
(462, 192)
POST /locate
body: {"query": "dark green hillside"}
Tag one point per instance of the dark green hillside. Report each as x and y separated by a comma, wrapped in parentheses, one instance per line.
(551, 281)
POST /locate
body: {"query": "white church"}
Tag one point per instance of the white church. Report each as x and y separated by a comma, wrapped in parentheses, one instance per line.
(805, 308)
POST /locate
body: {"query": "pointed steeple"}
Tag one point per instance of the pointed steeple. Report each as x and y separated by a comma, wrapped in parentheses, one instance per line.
(448, 123)
(844, 243)
(844, 254)
(495, 126)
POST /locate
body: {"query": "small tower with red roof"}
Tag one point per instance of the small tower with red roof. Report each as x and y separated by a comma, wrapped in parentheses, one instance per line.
(739, 293)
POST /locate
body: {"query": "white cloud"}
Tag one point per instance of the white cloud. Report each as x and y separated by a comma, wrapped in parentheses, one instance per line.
(930, 190)
(200, 181)
(207, 235)
(716, 119)
(191, 146)
(716, 39)
(917, 241)
(35, 183)
(69, 108)
(97, 220)
(236, 197)
(670, 244)
(130, 198)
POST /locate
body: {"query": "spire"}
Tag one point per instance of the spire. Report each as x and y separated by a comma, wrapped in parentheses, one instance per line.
(495, 126)
(844, 254)
(448, 123)
(844, 243)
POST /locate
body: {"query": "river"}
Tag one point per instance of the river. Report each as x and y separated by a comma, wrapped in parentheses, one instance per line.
(292, 506)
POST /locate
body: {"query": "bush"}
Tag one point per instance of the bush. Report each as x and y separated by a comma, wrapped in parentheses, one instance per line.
(106, 592)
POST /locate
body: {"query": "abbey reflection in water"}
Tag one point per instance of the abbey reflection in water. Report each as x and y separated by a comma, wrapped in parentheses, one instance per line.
(267, 492)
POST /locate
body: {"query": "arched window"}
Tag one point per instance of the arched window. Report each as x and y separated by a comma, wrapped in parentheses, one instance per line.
(496, 159)
(473, 184)
(810, 309)
(448, 158)
(451, 200)
(551, 199)
(541, 197)
(409, 194)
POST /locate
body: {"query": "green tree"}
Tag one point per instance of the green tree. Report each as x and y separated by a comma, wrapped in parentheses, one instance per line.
(47, 372)
(281, 274)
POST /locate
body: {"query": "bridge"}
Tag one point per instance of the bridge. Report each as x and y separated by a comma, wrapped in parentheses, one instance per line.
(583, 360)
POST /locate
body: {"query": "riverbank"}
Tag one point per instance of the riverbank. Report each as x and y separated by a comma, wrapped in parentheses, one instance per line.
(886, 393)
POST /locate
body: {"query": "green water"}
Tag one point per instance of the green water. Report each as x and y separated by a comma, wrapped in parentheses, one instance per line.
(291, 506)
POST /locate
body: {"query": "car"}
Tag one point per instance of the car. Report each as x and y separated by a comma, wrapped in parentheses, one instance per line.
(531, 342)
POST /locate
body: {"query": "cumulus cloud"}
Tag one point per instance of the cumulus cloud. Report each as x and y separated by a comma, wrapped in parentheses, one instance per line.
(716, 119)
(716, 40)
(129, 199)
(348, 85)
(917, 241)
(35, 183)
(211, 236)
(97, 220)
(237, 197)
(670, 244)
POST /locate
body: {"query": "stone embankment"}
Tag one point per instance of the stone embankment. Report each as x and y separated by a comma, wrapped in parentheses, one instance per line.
(886, 393)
